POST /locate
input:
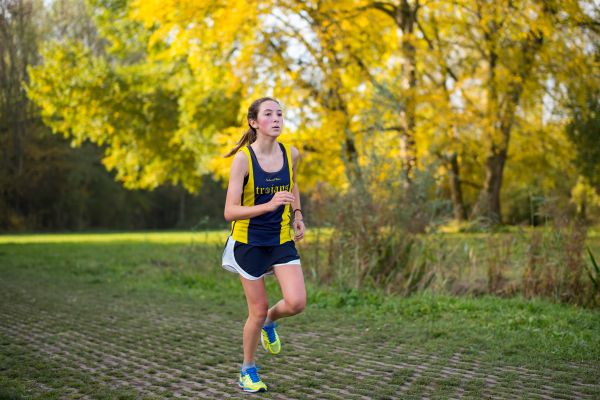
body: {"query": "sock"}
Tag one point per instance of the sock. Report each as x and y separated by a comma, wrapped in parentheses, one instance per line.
(245, 366)
(268, 322)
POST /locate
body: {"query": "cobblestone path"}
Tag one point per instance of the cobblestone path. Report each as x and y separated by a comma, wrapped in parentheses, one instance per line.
(89, 344)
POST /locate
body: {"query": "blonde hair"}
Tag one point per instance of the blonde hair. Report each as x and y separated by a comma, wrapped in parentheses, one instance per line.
(249, 136)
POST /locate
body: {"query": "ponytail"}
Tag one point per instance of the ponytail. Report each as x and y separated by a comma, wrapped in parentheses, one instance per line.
(247, 139)
(249, 136)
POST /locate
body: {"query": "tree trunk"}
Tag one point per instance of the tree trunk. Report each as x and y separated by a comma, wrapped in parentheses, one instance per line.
(15, 51)
(406, 17)
(458, 204)
(488, 202)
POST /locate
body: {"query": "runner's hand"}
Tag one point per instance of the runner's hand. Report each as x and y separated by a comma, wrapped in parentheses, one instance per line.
(298, 230)
(280, 199)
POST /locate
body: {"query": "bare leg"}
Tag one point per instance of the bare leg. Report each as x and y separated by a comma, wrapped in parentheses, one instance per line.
(291, 282)
(258, 304)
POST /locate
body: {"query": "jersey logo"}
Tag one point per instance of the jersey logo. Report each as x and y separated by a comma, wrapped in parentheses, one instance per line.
(271, 189)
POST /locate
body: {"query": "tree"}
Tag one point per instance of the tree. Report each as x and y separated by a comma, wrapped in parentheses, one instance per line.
(515, 40)
(154, 110)
(584, 132)
(18, 38)
(18, 49)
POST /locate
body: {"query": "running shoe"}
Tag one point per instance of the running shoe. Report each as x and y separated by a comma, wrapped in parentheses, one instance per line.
(270, 339)
(250, 381)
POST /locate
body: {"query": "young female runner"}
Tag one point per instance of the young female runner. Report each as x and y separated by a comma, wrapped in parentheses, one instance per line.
(262, 191)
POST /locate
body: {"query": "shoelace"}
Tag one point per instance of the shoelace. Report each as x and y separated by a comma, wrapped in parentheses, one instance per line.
(253, 373)
(270, 332)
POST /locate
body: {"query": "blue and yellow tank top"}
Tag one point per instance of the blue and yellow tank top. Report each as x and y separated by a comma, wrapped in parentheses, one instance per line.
(272, 228)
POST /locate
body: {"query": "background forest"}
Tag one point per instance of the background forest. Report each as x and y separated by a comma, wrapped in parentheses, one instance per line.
(117, 114)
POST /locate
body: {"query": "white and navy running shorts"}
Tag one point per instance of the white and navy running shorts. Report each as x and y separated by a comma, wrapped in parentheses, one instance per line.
(254, 262)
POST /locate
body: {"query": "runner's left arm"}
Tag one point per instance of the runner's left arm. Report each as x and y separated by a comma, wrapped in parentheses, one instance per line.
(297, 216)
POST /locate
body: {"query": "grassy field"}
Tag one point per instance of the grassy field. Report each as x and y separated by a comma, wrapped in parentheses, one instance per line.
(153, 315)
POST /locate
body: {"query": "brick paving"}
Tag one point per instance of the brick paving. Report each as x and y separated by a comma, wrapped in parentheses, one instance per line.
(145, 349)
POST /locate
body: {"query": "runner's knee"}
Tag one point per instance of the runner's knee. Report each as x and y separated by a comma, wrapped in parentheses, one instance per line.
(296, 304)
(258, 311)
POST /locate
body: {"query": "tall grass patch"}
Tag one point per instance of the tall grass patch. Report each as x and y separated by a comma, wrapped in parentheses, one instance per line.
(383, 233)
(375, 226)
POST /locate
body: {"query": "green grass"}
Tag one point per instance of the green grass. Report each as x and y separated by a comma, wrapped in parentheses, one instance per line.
(163, 301)
(185, 237)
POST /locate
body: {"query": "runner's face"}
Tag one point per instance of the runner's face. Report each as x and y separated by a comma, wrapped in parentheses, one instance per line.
(270, 119)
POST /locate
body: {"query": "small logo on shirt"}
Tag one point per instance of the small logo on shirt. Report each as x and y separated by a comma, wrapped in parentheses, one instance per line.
(273, 179)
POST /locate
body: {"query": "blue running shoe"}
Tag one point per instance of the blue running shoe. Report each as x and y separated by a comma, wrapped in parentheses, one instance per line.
(250, 381)
(270, 339)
